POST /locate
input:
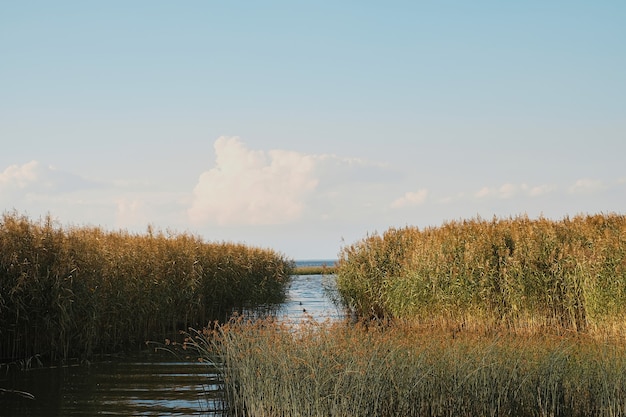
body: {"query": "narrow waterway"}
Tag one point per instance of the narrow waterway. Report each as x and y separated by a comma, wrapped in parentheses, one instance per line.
(311, 297)
(151, 384)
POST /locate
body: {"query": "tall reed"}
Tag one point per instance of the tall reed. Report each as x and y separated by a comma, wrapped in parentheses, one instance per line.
(513, 272)
(342, 370)
(68, 292)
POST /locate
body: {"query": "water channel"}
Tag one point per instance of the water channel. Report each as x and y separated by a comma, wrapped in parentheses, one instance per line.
(150, 384)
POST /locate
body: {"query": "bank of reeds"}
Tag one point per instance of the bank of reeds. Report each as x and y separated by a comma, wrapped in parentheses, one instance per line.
(512, 272)
(315, 270)
(270, 370)
(76, 291)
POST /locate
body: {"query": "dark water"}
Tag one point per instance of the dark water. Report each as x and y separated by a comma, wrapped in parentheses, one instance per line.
(151, 384)
(147, 385)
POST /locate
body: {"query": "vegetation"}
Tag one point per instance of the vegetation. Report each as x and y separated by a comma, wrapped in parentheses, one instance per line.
(315, 270)
(475, 318)
(377, 370)
(72, 292)
(514, 272)
(508, 317)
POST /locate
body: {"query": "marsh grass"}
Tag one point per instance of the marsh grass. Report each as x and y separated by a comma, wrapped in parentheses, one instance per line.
(315, 270)
(509, 317)
(339, 369)
(512, 273)
(73, 292)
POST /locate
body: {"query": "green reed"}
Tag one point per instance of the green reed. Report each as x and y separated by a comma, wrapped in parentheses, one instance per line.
(273, 369)
(73, 292)
(513, 272)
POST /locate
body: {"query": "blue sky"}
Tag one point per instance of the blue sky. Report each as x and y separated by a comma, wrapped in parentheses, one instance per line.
(304, 126)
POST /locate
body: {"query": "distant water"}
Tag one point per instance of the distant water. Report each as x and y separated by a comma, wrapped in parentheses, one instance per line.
(316, 262)
(311, 296)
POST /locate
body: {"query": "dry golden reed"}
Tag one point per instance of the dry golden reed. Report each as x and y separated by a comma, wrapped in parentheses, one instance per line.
(271, 369)
(315, 270)
(508, 317)
(513, 273)
(70, 292)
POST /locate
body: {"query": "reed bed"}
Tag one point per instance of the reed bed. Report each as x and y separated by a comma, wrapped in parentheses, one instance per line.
(73, 292)
(508, 317)
(512, 273)
(337, 369)
(315, 270)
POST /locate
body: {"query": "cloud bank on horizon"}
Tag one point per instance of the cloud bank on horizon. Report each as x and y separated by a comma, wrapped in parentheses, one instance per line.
(243, 191)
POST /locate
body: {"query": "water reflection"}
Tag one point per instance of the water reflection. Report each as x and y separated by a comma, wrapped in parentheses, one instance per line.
(151, 384)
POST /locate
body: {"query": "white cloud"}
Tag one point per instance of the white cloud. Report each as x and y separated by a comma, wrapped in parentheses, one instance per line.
(258, 187)
(32, 177)
(538, 190)
(586, 186)
(16, 176)
(505, 191)
(410, 199)
(509, 190)
(252, 187)
(483, 192)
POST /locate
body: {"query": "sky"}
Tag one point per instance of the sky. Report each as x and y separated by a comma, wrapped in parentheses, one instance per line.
(305, 126)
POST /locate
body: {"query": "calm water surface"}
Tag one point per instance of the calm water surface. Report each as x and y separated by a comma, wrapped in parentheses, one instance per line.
(150, 384)
(311, 296)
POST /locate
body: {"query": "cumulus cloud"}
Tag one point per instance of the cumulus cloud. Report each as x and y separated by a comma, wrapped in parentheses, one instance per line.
(33, 177)
(509, 190)
(252, 187)
(20, 176)
(505, 191)
(258, 187)
(410, 199)
(586, 186)
(483, 192)
(538, 190)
